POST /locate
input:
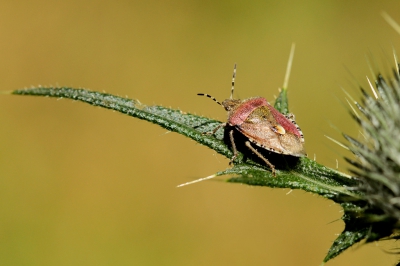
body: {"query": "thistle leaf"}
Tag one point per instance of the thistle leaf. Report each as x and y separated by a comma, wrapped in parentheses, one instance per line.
(282, 103)
(292, 172)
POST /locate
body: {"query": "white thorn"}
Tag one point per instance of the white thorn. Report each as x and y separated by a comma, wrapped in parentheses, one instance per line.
(372, 88)
(337, 142)
(348, 95)
(197, 180)
(352, 108)
(359, 132)
(289, 67)
(391, 22)
(396, 61)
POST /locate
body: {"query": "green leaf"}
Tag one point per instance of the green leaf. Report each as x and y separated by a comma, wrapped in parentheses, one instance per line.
(291, 172)
(306, 175)
(188, 125)
(282, 102)
(345, 240)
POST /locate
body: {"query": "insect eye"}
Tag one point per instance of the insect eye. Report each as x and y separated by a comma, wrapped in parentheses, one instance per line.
(279, 129)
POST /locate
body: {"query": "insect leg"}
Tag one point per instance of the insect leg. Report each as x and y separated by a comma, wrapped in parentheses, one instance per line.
(261, 157)
(235, 152)
(215, 129)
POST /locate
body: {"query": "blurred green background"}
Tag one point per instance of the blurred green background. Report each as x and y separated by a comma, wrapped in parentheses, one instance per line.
(81, 185)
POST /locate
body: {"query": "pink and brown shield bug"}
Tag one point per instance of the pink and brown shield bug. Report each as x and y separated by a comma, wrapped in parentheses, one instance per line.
(261, 125)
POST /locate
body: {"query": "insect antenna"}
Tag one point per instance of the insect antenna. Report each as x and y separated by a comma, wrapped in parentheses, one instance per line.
(209, 96)
(233, 80)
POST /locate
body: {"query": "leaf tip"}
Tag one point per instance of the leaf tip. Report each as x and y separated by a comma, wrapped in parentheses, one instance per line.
(7, 92)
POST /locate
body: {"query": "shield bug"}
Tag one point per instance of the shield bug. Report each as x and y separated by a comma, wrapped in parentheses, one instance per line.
(261, 125)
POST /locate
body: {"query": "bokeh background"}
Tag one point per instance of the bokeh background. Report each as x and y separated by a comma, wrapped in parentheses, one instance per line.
(81, 185)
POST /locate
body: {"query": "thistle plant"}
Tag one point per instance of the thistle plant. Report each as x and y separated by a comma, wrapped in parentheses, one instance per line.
(370, 196)
(377, 157)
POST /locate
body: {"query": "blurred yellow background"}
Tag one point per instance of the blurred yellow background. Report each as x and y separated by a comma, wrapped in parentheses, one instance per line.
(81, 185)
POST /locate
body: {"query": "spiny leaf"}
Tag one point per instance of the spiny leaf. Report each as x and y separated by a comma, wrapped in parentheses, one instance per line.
(282, 103)
(345, 240)
(188, 125)
(194, 127)
(377, 161)
(292, 172)
(307, 175)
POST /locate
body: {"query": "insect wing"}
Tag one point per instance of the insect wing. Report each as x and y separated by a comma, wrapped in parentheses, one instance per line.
(260, 129)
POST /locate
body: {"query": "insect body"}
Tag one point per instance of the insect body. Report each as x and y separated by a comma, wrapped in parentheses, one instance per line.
(262, 125)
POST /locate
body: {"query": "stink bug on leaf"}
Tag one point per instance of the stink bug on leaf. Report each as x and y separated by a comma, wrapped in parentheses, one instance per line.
(261, 125)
